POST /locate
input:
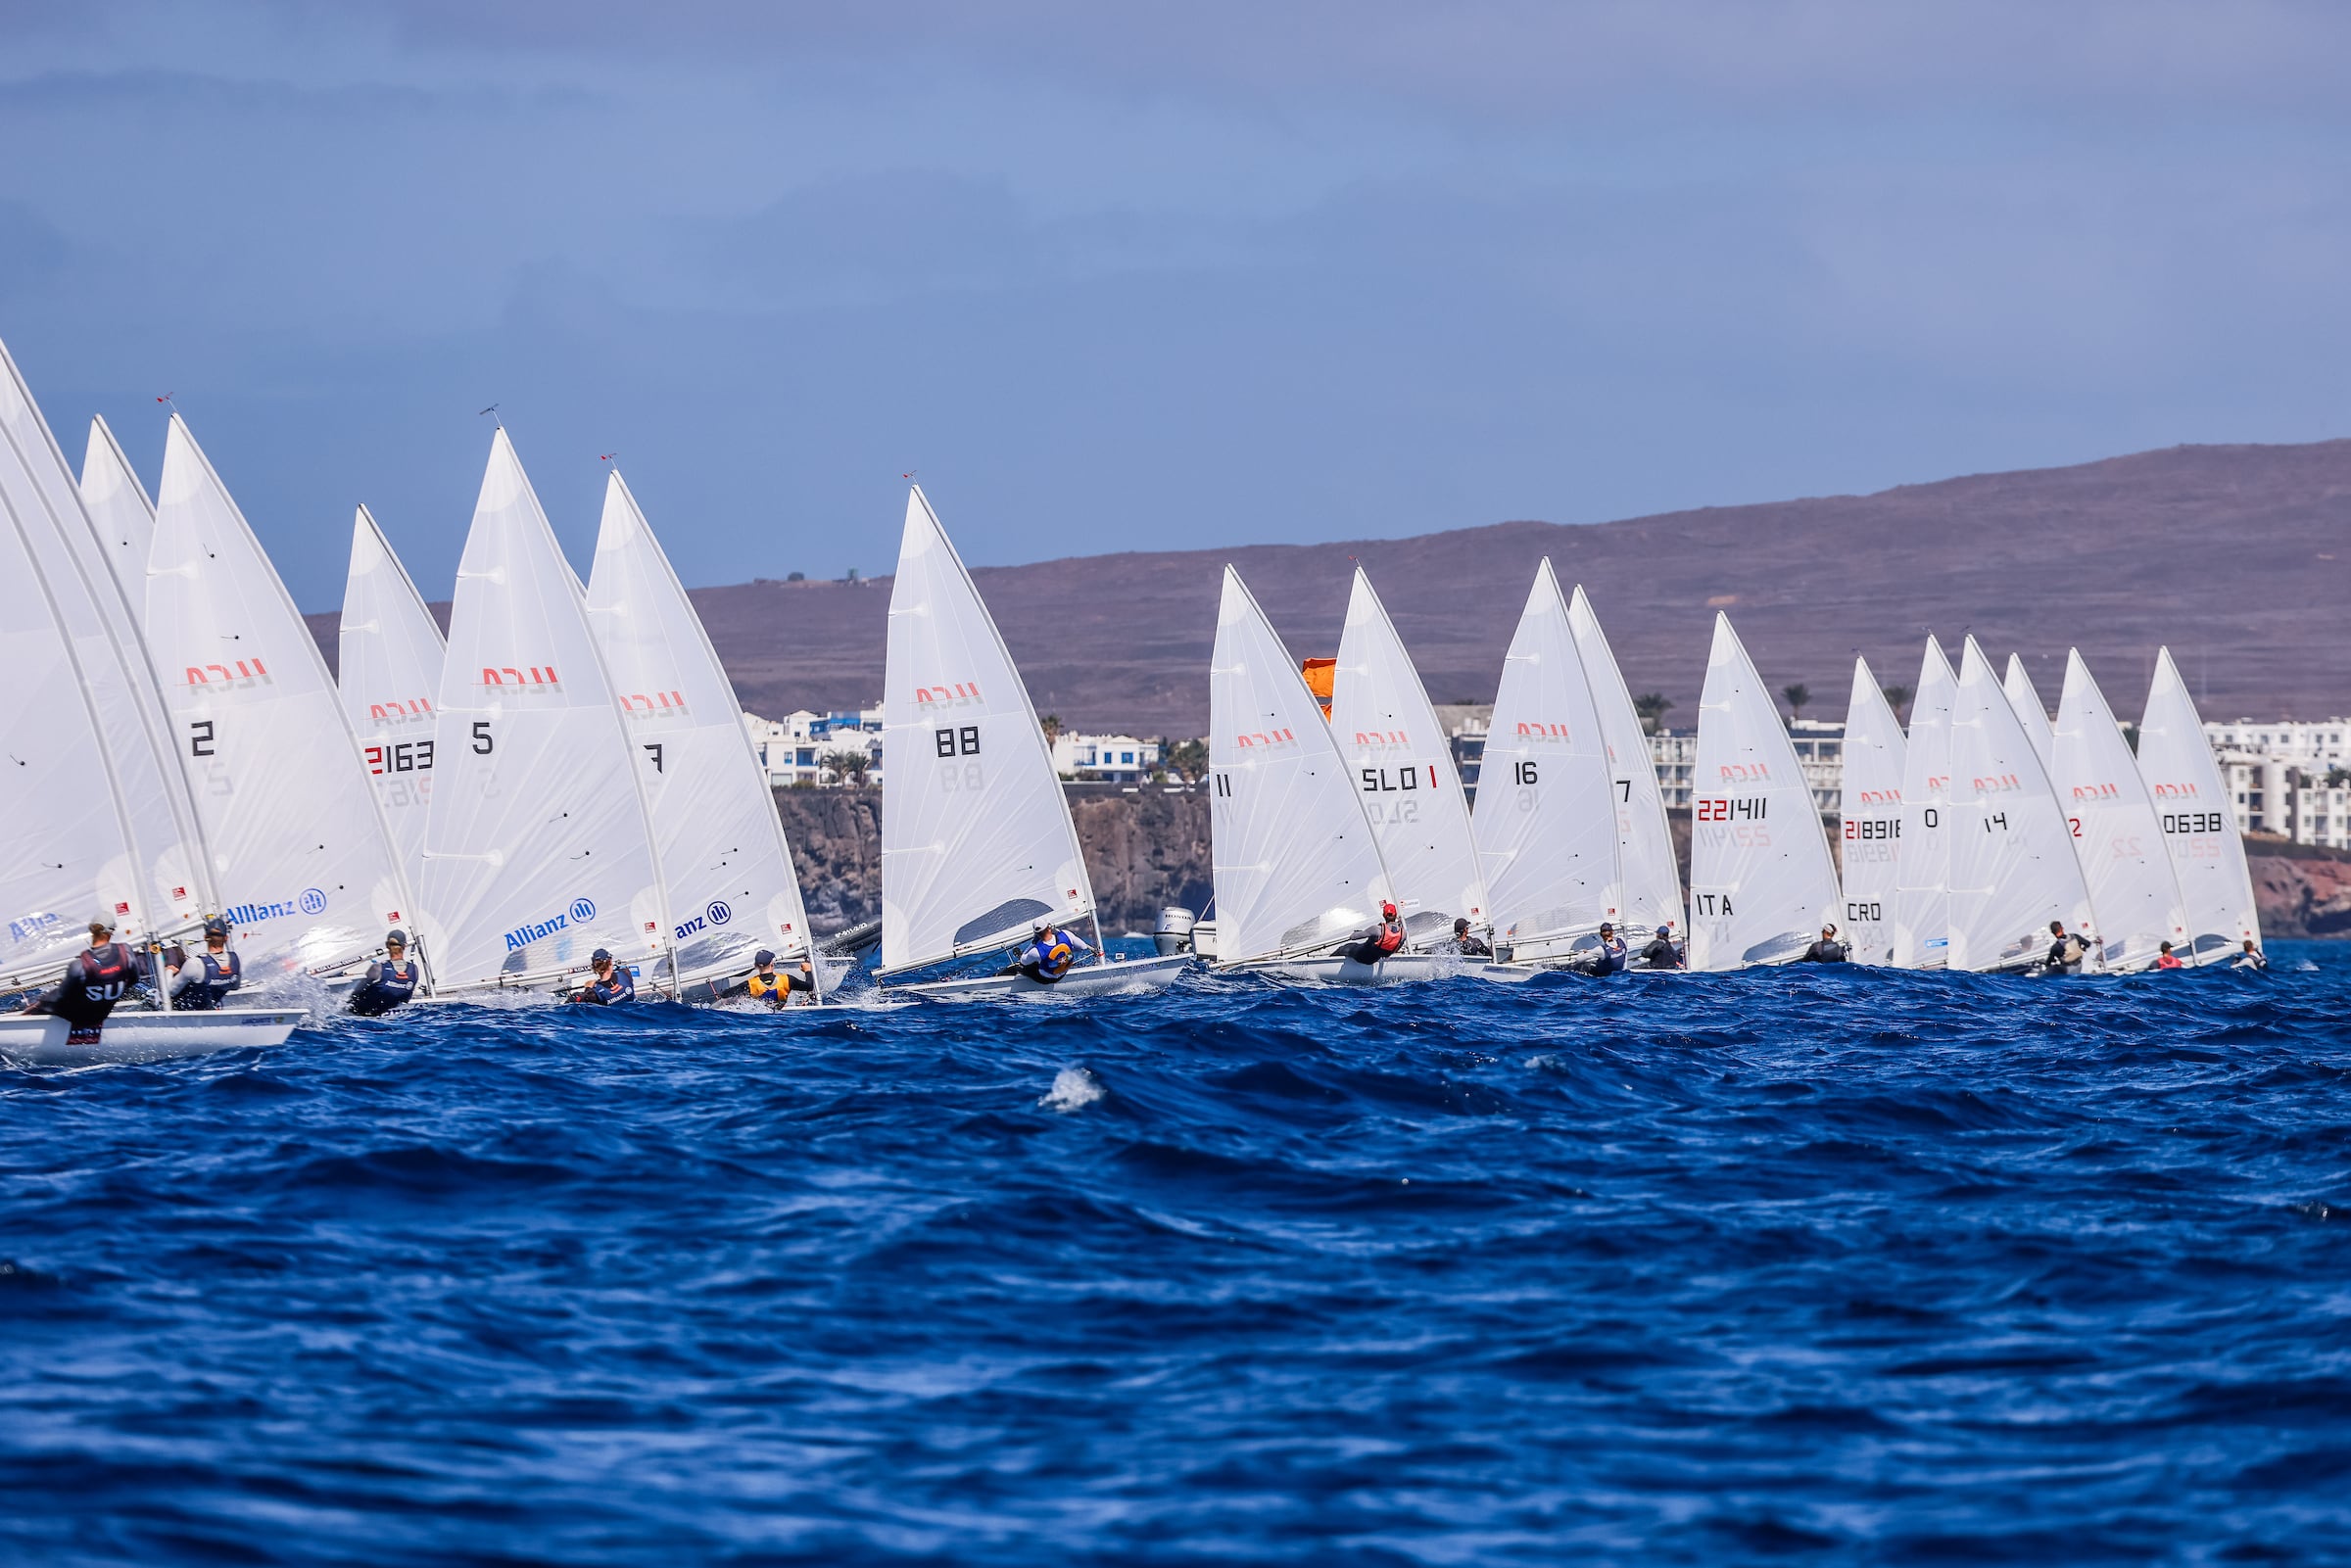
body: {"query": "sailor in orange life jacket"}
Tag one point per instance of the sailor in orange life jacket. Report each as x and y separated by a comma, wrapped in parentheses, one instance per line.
(1050, 954)
(2164, 960)
(93, 983)
(1376, 942)
(766, 986)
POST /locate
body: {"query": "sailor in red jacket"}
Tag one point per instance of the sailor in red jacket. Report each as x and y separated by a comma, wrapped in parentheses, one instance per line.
(1384, 940)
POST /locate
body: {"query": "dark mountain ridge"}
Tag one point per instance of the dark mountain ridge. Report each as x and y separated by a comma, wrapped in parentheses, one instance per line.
(2239, 558)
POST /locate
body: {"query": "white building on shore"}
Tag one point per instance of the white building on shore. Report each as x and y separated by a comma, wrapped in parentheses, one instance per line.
(799, 750)
(1108, 758)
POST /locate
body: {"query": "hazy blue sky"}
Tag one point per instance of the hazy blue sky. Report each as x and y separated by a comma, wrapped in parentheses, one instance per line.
(1109, 278)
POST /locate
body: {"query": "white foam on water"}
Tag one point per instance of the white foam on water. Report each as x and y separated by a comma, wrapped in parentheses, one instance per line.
(1073, 1089)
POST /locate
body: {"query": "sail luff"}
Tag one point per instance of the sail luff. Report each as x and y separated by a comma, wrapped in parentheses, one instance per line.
(1650, 872)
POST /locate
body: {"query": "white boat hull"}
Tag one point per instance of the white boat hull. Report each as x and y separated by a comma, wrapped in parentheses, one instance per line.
(143, 1036)
(1095, 980)
(1405, 968)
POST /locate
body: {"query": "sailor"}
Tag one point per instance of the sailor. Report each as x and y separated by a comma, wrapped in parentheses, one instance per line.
(1466, 943)
(1613, 957)
(766, 986)
(612, 983)
(1661, 953)
(1828, 950)
(2251, 957)
(1376, 942)
(93, 983)
(2066, 952)
(390, 982)
(203, 986)
(1050, 954)
(2165, 959)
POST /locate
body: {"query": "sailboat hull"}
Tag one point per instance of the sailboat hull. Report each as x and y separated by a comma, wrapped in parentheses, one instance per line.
(1095, 980)
(1405, 968)
(39, 1041)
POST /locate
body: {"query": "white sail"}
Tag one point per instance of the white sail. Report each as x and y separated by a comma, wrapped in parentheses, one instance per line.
(1923, 884)
(537, 850)
(2029, 712)
(2013, 868)
(1651, 877)
(1403, 764)
(2134, 896)
(304, 864)
(1547, 822)
(729, 876)
(977, 843)
(1872, 810)
(1762, 882)
(66, 851)
(1295, 863)
(388, 663)
(120, 511)
(169, 885)
(2197, 818)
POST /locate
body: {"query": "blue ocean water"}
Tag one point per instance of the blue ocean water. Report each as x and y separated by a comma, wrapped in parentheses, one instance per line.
(1821, 1264)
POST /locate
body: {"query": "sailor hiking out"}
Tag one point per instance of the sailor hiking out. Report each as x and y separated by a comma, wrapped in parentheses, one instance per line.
(1376, 942)
(389, 983)
(1050, 954)
(203, 984)
(613, 982)
(93, 983)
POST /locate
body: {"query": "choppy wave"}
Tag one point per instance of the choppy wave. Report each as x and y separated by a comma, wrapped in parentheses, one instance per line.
(1836, 1265)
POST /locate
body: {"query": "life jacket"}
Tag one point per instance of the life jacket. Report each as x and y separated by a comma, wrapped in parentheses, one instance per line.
(1052, 954)
(2074, 952)
(771, 989)
(93, 983)
(621, 987)
(2168, 961)
(393, 984)
(222, 973)
(1390, 937)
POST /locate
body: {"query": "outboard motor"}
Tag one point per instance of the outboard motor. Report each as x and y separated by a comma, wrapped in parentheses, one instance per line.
(1173, 933)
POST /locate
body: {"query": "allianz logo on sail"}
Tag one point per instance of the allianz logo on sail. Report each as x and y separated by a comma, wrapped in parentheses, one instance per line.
(1266, 737)
(410, 710)
(581, 911)
(32, 925)
(947, 694)
(660, 705)
(530, 676)
(312, 902)
(717, 914)
(248, 673)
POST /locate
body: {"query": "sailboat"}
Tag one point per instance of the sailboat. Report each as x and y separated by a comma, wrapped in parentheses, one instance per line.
(1650, 875)
(1762, 880)
(1922, 893)
(2118, 835)
(1547, 801)
(116, 828)
(2029, 712)
(537, 848)
(729, 872)
(2198, 821)
(169, 883)
(1872, 814)
(388, 669)
(120, 511)
(1297, 868)
(977, 843)
(305, 861)
(1403, 768)
(2013, 867)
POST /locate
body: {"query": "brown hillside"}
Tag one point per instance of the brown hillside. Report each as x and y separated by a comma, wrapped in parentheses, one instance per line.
(2239, 557)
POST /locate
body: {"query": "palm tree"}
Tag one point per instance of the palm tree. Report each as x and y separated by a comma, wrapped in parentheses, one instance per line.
(1798, 695)
(1652, 706)
(1051, 725)
(1896, 697)
(849, 763)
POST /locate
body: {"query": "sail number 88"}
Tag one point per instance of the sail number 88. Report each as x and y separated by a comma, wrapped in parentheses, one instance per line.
(963, 743)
